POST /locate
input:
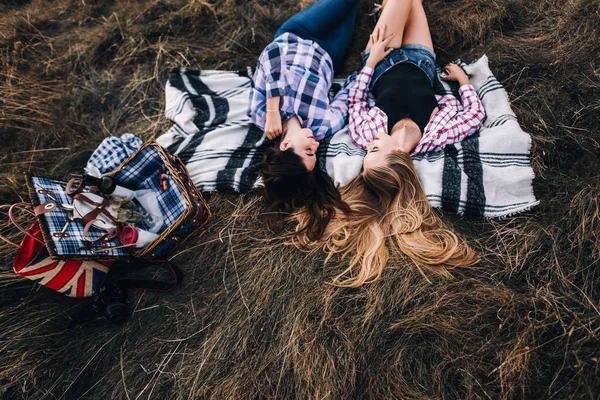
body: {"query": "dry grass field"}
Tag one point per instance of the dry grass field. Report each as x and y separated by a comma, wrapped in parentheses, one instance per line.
(255, 318)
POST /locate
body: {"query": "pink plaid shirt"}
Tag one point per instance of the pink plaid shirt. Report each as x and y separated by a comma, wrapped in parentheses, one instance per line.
(452, 123)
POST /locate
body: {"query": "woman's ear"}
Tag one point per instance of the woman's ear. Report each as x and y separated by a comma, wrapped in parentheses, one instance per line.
(284, 145)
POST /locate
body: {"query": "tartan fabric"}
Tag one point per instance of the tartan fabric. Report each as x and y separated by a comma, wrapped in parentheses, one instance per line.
(365, 120)
(451, 124)
(143, 172)
(301, 72)
(69, 246)
(108, 157)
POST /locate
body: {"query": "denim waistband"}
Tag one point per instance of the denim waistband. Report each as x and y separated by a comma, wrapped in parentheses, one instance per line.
(417, 54)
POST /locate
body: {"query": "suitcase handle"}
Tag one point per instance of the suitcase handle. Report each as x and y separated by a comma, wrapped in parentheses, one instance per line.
(11, 217)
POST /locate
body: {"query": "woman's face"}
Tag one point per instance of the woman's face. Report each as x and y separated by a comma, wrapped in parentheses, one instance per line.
(378, 149)
(405, 137)
(303, 143)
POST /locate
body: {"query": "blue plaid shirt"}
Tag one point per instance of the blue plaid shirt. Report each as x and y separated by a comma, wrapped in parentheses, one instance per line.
(300, 71)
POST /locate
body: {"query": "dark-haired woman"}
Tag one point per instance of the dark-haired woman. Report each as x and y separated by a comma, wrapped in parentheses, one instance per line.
(289, 101)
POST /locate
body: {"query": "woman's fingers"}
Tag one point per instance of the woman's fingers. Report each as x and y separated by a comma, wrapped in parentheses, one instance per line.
(451, 68)
(273, 133)
(382, 32)
(375, 35)
(387, 39)
(378, 36)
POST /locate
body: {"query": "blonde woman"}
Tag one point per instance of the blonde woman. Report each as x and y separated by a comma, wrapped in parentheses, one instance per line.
(389, 209)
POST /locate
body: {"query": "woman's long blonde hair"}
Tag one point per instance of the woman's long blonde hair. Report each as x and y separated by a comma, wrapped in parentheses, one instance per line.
(388, 209)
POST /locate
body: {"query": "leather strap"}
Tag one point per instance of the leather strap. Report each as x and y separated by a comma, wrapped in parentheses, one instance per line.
(21, 206)
(44, 208)
(109, 235)
(99, 208)
(74, 186)
(147, 284)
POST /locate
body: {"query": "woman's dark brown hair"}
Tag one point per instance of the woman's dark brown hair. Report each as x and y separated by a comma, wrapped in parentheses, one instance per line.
(289, 186)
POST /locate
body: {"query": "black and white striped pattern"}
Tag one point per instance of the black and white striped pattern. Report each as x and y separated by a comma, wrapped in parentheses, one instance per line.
(488, 174)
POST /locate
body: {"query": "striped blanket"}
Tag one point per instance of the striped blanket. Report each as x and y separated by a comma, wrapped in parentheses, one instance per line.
(487, 175)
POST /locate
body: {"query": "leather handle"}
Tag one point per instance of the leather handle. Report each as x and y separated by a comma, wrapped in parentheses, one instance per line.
(20, 206)
(146, 284)
(74, 186)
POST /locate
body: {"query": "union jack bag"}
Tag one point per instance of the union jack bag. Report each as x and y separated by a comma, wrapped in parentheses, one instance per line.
(73, 278)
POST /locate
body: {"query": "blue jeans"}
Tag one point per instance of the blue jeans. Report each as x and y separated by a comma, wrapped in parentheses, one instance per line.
(417, 54)
(330, 23)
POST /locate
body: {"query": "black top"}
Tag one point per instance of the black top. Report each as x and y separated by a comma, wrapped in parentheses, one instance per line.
(405, 91)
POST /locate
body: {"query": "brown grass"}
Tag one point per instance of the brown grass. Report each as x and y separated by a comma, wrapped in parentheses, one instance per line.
(255, 317)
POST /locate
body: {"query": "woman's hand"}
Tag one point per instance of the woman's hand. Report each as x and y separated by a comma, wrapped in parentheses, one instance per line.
(379, 47)
(453, 72)
(273, 127)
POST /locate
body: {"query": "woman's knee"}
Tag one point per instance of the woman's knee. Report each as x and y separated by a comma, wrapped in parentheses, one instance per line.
(295, 28)
(389, 2)
(417, 4)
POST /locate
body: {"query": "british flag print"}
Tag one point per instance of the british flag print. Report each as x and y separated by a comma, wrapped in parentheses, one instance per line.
(73, 278)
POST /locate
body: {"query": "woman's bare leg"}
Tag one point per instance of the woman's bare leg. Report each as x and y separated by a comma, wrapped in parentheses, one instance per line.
(416, 29)
(394, 16)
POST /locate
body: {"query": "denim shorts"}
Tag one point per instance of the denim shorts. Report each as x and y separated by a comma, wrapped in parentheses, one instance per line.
(417, 54)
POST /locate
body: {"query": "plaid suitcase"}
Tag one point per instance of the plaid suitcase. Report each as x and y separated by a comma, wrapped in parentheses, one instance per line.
(184, 209)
